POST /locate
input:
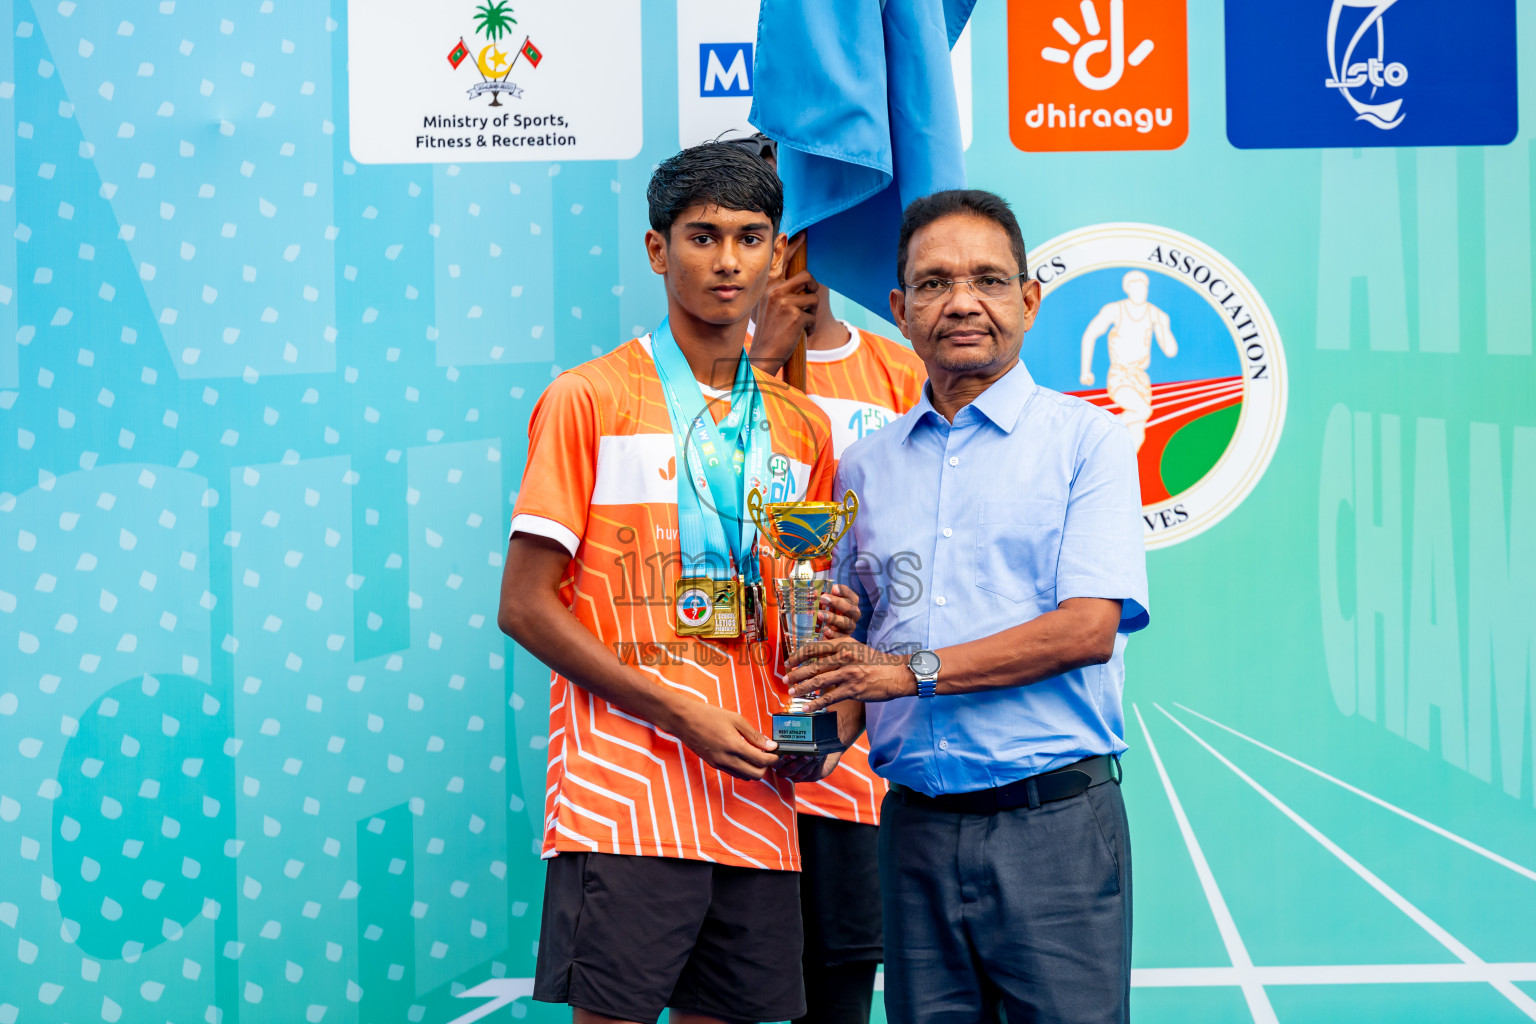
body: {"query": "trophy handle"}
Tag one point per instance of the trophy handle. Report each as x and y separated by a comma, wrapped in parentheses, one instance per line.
(846, 515)
(762, 521)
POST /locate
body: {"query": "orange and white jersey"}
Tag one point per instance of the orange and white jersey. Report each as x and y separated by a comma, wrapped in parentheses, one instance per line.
(601, 479)
(862, 386)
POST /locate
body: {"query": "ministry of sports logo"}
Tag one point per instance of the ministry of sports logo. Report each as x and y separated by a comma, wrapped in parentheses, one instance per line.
(495, 22)
(1160, 330)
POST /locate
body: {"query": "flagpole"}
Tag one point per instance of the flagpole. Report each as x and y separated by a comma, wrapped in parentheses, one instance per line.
(794, 366)
(516, 56)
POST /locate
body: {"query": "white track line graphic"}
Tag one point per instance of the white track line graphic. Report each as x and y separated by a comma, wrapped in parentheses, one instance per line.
(1506, 988)
(1253, 992)
(1331, 974)
(1378, 801)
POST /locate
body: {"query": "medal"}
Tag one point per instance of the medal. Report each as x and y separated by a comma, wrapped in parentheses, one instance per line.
(708, 608)
(720, 594)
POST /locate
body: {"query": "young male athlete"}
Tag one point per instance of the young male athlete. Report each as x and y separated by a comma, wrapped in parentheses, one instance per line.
(631, 572)
(862, 381)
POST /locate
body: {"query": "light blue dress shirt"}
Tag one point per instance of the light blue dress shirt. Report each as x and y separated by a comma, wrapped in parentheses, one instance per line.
(1029, 498)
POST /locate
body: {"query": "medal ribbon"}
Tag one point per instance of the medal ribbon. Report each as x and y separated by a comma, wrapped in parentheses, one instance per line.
(721, 460)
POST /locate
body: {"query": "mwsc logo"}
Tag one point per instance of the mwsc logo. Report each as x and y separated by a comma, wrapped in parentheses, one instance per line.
(725, 69)
(1160, 330)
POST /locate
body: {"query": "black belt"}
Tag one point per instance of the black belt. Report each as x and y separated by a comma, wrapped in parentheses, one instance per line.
(1059, 784)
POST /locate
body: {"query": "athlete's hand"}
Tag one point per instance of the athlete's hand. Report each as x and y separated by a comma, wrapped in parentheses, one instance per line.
(847, 670)
(804, 768)
(1087, 378)
(786, 313)
(725, 740)
(839, 612)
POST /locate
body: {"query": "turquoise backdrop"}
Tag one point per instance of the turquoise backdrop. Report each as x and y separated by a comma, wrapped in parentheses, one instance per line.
(264, 755)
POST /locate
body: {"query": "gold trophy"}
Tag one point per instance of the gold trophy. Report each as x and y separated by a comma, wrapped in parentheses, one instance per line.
(802, 531)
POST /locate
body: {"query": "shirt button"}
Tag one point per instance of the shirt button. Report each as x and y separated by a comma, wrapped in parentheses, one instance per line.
(938, 600)
(954, 460)
(948, 532)
(943, 744)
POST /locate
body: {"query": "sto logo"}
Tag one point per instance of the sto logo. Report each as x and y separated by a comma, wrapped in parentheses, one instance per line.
(1373, 71)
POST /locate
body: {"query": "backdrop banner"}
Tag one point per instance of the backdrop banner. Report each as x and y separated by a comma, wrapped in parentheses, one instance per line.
(267, 359)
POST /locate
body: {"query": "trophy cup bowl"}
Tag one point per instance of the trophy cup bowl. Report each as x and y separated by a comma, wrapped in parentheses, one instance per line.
(802, 531)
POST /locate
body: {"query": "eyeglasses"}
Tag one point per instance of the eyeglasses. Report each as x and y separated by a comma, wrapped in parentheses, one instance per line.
(985, 286)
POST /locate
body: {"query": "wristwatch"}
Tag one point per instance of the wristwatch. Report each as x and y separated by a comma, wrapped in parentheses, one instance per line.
(924, 665)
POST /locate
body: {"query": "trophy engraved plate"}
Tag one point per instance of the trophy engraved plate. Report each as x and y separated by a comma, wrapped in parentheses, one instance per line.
(802, 531)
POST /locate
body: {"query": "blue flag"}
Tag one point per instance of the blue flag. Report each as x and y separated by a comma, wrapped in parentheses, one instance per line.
(861, 100)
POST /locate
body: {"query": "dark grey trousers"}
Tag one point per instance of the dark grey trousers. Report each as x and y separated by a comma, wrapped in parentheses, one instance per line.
(1026, 911)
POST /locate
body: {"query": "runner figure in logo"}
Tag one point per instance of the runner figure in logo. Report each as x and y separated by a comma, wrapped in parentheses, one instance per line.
(1132, 323)
(694, 607)
(1205, 408)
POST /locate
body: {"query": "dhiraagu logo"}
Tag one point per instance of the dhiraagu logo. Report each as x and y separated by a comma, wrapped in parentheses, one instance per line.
(1098, 74)
(1160, 330)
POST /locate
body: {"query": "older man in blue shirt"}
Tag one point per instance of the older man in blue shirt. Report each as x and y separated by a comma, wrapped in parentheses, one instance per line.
(993, 689)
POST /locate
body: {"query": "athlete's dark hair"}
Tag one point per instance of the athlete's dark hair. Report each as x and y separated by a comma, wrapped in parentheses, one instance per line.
(974, 201)
(723, 174)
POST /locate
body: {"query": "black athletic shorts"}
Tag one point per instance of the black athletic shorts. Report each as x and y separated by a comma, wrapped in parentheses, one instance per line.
(628, 936)
(840, 890)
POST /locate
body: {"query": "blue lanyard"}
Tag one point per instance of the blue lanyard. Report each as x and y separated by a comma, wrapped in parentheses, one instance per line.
(721, 460)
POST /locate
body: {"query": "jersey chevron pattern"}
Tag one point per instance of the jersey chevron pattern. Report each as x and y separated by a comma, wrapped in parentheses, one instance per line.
(862, 386)
(601, 477)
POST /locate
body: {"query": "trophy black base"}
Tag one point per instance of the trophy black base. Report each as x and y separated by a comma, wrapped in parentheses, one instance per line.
(812, 733)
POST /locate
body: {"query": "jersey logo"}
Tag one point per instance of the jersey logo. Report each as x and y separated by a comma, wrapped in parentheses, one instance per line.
(867, 420)
(670, 471)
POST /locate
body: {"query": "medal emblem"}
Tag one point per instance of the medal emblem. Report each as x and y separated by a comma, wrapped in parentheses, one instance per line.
(708, 608)
(695, 608)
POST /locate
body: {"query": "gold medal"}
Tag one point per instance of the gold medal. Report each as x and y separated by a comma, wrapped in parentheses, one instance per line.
(708, 608)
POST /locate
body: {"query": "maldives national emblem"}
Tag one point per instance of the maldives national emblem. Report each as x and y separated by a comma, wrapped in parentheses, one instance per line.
(1160, 330)
(494, 21)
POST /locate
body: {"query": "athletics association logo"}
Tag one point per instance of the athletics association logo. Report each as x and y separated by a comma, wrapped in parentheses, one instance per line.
(1098, 75)
(694, 607)
(494, 22)
(1163, 332)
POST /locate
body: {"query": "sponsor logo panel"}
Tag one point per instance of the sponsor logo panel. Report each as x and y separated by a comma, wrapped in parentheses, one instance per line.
(1320, 73)
(1097, 75)
(497, 80)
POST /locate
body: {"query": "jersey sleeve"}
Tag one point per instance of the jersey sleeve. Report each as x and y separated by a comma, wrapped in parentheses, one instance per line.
(561, 467)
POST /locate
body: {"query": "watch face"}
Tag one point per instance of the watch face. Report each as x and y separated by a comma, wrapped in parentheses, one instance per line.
(923, 663)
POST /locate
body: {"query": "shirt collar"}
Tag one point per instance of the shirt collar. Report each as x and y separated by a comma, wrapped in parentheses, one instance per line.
(1001, 403)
